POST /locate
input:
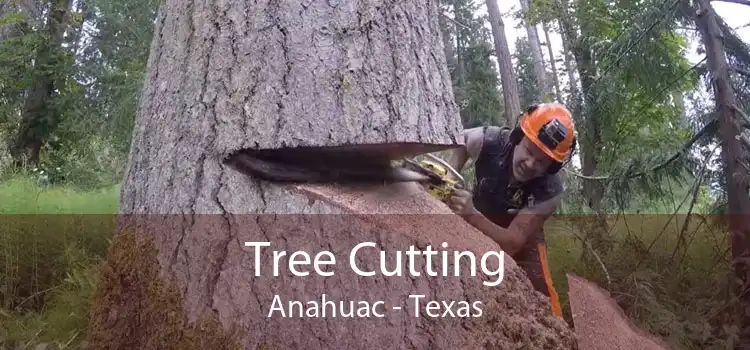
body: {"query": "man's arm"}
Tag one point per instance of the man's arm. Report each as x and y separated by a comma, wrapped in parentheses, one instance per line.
(473, 139)
(530, 220)
(527, 222)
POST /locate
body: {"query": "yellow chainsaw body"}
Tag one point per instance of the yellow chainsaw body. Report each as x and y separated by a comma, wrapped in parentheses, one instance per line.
(445, 189)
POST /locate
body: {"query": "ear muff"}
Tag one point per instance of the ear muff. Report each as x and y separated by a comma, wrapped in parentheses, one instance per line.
(557, 166)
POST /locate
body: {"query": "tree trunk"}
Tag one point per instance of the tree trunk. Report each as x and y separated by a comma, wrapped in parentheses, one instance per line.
(507, 76)
(732, 155)
(460, 44)
(448, 48)
(569, 67)
(536, 54)
(553, 64)
(38, 117)
(590, 135)
(294, 75)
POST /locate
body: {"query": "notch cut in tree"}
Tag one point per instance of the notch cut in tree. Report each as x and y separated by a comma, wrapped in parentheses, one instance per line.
(237, 76)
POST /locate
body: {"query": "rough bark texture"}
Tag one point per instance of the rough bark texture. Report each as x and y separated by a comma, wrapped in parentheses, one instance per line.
(286, 74)
(732, 156)
(536, 54)
(296, 73)
(601, 324)
(511, 97)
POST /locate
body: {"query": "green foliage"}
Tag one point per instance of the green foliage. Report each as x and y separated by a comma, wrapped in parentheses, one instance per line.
(475, 79)
(482, 104)
(528, 87)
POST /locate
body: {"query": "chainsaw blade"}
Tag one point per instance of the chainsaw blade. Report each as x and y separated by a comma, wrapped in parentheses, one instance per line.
(326, 171)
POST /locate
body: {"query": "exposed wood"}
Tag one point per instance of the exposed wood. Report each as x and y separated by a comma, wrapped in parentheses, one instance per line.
(600, 323)
(732, 156)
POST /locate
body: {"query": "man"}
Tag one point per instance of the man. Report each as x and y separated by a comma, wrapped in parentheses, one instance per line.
(511, 166)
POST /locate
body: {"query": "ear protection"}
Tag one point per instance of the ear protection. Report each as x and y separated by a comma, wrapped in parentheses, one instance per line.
(516, 135)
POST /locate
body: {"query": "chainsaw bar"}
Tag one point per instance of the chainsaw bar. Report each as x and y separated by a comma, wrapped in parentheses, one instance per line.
(327, 169)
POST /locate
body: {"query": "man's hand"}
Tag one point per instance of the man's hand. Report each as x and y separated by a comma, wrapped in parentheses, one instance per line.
(461, 202)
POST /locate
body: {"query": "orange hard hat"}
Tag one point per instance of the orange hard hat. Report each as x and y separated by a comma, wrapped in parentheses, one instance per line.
(550, 127)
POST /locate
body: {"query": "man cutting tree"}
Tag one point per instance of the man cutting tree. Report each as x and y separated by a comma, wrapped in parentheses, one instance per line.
(514, 166)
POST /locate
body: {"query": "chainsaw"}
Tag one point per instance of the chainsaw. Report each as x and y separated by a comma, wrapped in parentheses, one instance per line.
(344, 166)
(442, 180)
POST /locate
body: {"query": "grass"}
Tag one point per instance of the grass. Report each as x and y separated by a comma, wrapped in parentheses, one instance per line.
(671, 281)
(48, 266)
(51, 244)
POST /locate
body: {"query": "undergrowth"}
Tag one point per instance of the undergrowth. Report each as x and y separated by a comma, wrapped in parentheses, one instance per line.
(49, 266)
(52, 241)
(672, 279)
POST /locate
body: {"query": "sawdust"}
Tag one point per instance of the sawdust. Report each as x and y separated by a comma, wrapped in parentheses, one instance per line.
(600, 323)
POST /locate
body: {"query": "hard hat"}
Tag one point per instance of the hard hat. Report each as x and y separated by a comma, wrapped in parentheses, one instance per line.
(550, 127)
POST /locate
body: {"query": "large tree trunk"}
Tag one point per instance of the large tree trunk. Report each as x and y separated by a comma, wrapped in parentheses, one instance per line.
(536, 54)
(733, 157)
(294, 74)
(508, 80)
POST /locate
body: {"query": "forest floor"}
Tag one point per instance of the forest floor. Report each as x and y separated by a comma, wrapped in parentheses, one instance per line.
(49, 263)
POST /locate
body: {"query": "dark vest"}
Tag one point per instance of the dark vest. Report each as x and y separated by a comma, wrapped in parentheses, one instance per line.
(493, 195)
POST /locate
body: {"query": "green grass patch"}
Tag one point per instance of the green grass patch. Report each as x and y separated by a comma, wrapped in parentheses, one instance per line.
(21, 195)
(52, 241)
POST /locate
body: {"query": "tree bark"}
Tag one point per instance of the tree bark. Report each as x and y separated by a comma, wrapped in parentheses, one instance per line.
(234, 75)
(732, 155)
(536, 54)
(507, 76)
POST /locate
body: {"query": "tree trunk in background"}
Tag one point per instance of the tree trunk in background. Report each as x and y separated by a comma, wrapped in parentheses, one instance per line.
(679, 102)
(448, 47)
(732, 155)
(536, 55)
(460, 66)
(508, 78)
(569, 67)
(589, 136)
(37, 118)
(553, 64)
(292, 74)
